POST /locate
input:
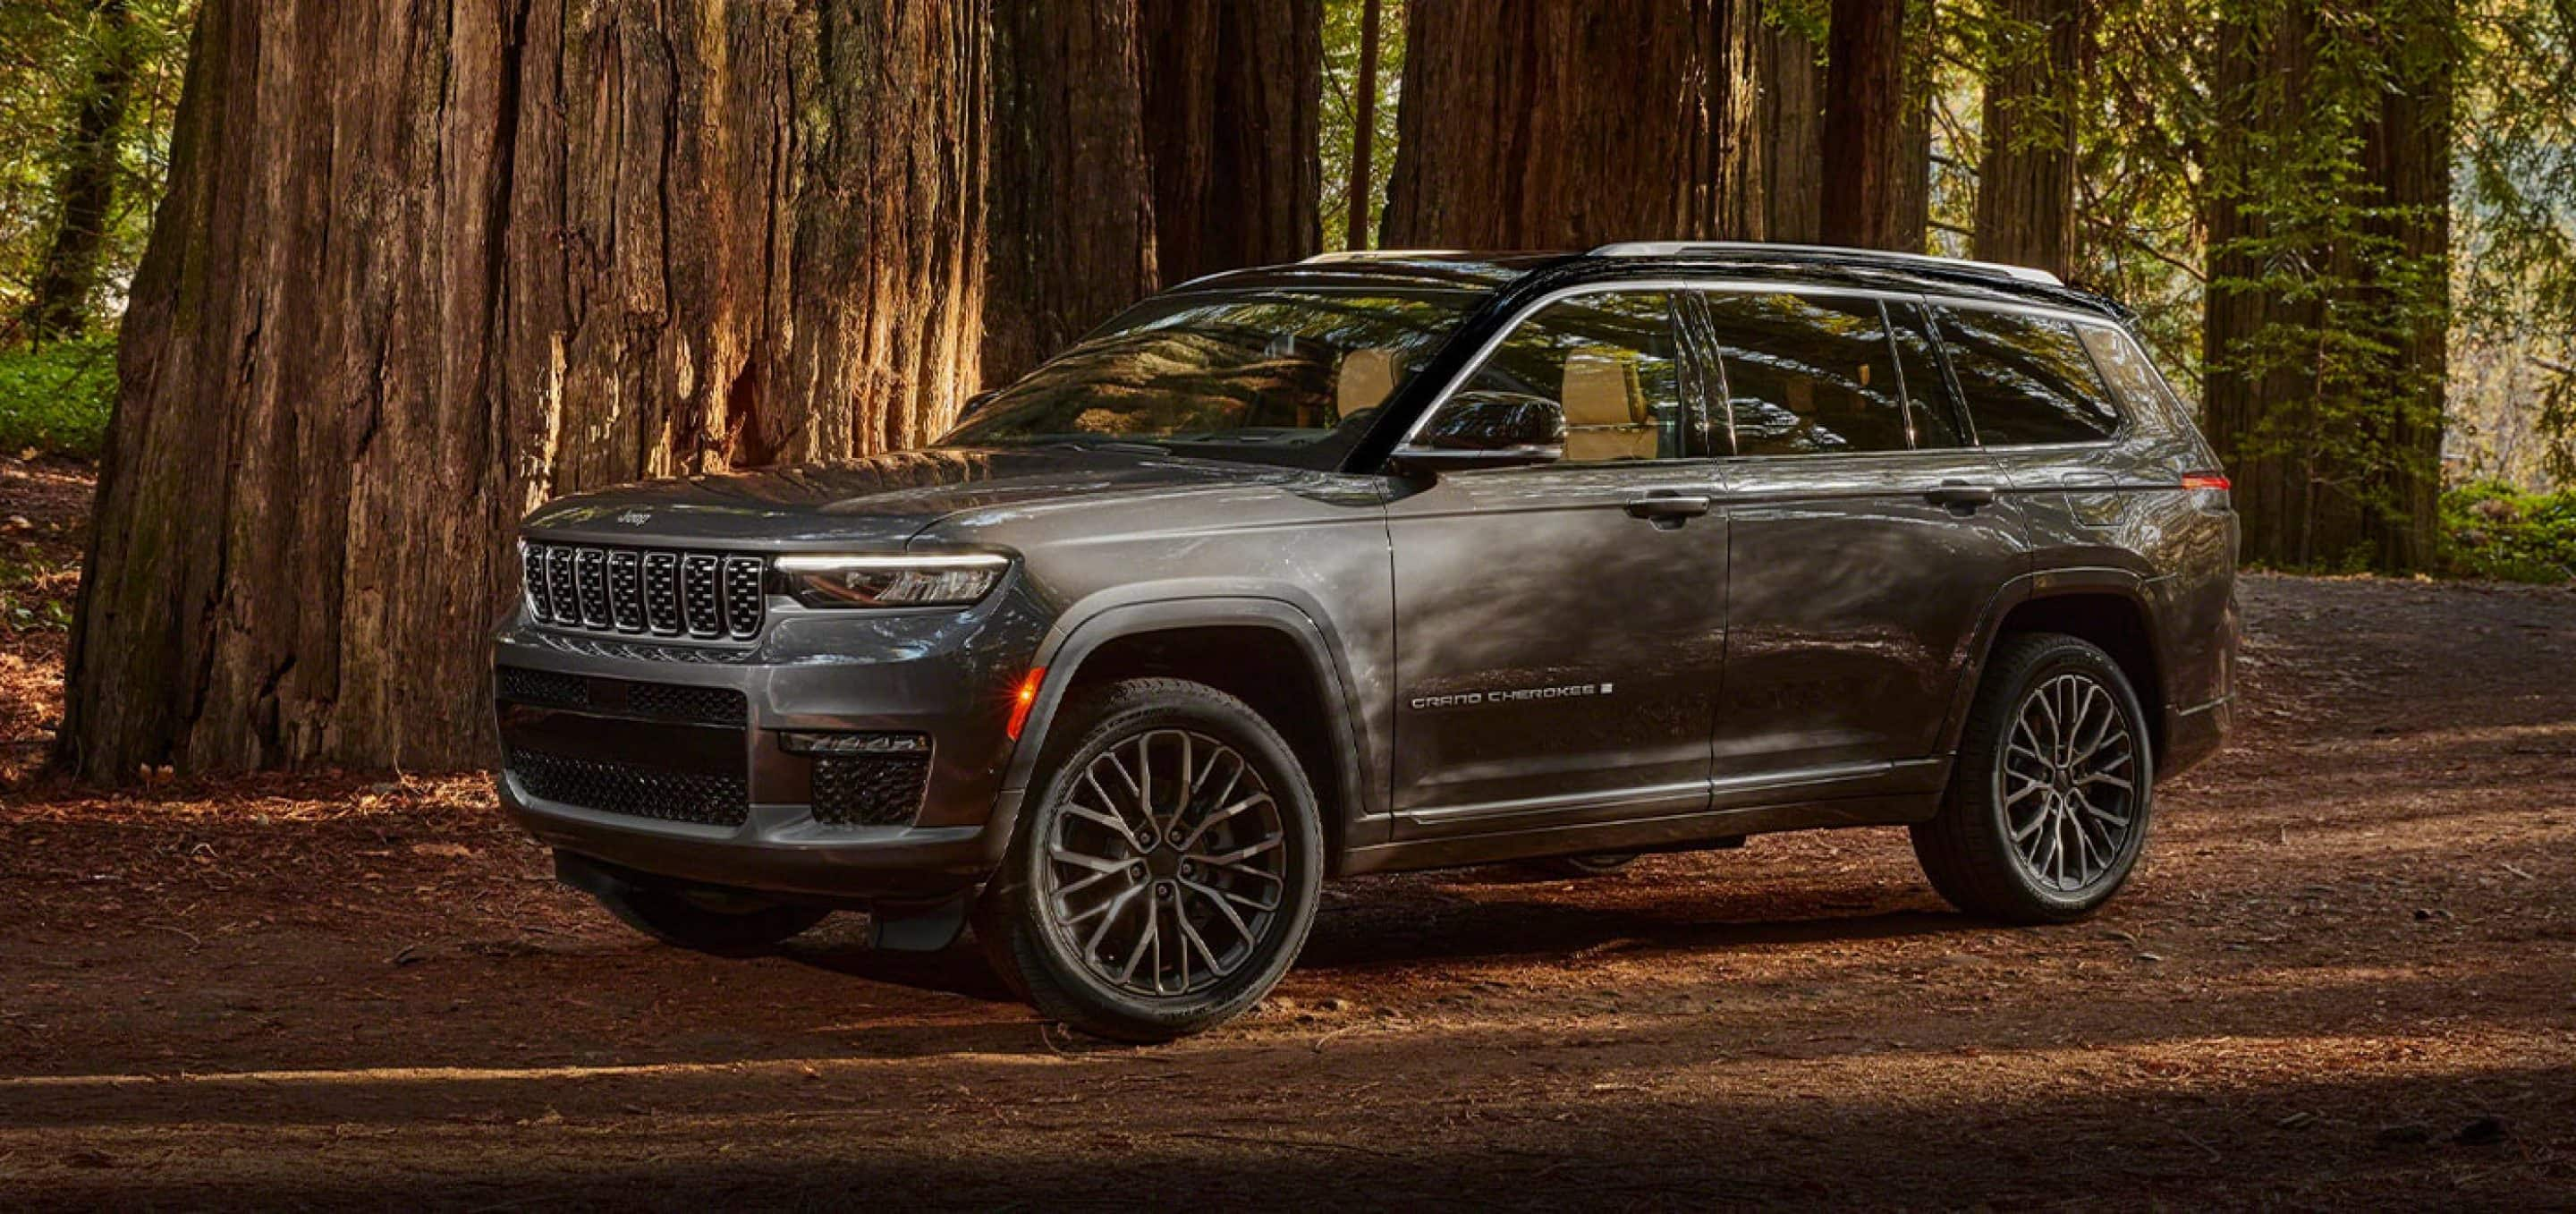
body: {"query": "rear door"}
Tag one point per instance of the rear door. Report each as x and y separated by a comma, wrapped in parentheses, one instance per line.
(1865, 541)
(1561, 629)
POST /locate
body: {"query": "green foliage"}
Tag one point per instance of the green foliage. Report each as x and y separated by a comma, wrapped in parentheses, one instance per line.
(56, 398)
(31, 599)
(48, 50)
(2514, 213)
(1342, 27)
(2493, 530)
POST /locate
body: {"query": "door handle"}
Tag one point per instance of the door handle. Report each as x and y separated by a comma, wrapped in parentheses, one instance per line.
(1962, 496)
(1668, 510)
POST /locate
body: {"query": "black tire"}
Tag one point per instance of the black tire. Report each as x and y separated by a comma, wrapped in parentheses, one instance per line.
(727, 925)
(1596, 864)
(1969, 850)
(1034, 947)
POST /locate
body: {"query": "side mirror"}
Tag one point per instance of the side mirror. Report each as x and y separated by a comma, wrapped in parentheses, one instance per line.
(1486, 430)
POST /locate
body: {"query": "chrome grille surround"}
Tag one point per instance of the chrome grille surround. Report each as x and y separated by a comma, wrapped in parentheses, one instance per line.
(646, 592)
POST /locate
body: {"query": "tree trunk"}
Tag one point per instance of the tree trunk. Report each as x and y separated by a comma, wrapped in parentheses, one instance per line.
(1234, 95)
(1560, 124)
(1865, 125)
(1913, 204)
(422, 266)
(1363, 128)
(1790, 113)
(1072, 202)
(85, 188)
(2026, 172)
(2408, 153)
(2255, 407)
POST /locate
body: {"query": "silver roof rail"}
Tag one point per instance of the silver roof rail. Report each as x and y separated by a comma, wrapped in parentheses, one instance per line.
(1374, 254)
(1756, 248)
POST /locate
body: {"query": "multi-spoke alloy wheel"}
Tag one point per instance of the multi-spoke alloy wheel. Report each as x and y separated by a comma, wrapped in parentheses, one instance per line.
(1166, 869)
(2054, 786)
(2066, 780)
(1166, 863)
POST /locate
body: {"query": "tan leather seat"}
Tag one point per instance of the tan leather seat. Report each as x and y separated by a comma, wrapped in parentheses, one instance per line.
(1366, 379)
(1605, 409)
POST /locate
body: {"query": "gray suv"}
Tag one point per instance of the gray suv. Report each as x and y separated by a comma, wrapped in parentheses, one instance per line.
(1396, 561)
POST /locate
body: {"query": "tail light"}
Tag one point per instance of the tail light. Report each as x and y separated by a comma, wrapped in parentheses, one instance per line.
(2206, 480)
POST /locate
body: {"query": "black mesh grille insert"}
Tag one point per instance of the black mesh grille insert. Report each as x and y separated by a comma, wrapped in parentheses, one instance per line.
(703, 705)
(869, 790)
(524, 686)
(623, 788)
(639, 591)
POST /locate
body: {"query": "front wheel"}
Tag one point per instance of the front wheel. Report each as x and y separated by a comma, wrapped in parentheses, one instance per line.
(2049, 801)
(1167, 872)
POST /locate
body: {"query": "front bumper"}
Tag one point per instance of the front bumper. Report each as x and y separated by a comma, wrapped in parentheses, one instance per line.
(947, 677)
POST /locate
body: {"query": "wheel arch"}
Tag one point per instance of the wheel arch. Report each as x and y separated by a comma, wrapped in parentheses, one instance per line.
(2110, 608)
(1246, 646)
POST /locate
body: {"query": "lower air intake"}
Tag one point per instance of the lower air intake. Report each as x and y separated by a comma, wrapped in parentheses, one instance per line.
(869, 790)
(705, 798)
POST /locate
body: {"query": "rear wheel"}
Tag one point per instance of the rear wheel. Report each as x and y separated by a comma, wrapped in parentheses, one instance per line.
(1167, 873)
(2050, 799)
(724, 924)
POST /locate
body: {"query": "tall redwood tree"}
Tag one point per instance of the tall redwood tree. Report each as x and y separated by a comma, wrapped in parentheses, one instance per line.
(421, 266)
(1568, 123)
(1072, 196)
(1864, 127)
(1233, 110)
(2026, 171)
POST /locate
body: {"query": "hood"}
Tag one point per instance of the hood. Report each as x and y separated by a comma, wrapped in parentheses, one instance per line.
(885, 500)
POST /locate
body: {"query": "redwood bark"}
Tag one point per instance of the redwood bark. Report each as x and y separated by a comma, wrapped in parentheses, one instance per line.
(1561, 124)
(2248, 408)
(2334, 448)
(2026, 173)
(1913, 204)
(1233, 113)
(1072, 204)
(85, 188)
(421, 267)
(2408, 154)
(1864, 126)
(1790, 115)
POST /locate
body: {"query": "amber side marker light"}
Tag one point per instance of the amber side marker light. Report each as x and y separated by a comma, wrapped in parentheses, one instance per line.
(2205, 480)
(1023, 700)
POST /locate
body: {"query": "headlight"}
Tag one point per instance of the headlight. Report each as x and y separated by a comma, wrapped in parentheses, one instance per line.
(890, 580)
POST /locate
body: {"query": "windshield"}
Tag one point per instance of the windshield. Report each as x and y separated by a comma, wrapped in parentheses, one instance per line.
(1280, 377)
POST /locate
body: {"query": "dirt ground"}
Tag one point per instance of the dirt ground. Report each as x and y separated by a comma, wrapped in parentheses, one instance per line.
(2347, 977)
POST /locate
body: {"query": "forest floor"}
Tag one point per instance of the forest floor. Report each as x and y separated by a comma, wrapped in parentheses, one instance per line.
(2346, 977)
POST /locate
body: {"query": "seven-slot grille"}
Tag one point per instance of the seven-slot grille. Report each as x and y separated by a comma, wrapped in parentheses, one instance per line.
(709, 596)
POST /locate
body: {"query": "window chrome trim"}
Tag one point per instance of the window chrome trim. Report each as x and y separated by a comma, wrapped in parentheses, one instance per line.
(1742, 286)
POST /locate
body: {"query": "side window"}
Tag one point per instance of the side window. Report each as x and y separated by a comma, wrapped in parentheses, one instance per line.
(2028, 379)
(1612, 362)
(1927, 394)
(2133, 378)
(1808, 374)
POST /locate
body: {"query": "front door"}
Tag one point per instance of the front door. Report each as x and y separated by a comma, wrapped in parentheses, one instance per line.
(1866, 542)
(1560, 630)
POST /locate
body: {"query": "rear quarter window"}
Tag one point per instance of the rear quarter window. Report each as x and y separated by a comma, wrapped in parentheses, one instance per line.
(2141, 391)
(2028, 380)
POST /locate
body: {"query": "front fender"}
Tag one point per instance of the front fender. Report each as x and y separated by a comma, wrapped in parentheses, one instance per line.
(1135, 611)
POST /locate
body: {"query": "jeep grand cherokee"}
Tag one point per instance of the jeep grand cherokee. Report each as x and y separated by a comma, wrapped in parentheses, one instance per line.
(1396, 561)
